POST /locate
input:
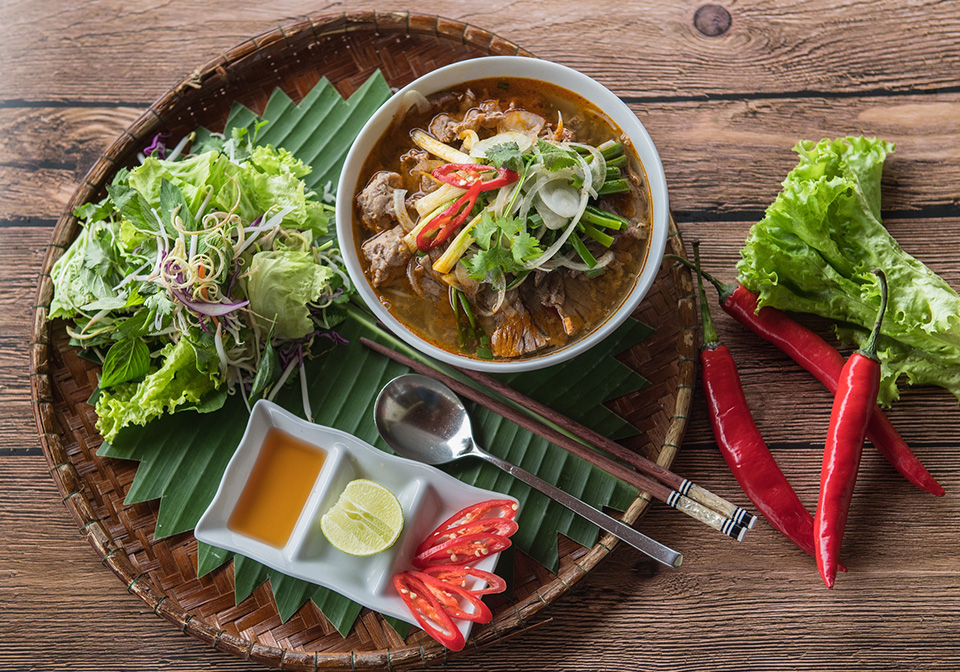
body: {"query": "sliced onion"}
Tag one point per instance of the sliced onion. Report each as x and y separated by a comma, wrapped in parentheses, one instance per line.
(604, 260)
(562, 199)
(551, 219)
(400, 208)
(558, 243)
(479, 149)
(521, 121)
(527, 202)
(598, 167)
(208, 309)
(499, 284)
(470, 138)
(408, 100)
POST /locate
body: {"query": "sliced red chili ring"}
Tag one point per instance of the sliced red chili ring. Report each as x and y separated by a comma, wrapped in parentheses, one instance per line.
(446, 594)
(507, 507)
(461, 550)
(450, 174)
(503, 527)
(429, 612)
(441, 227)
(457, 575)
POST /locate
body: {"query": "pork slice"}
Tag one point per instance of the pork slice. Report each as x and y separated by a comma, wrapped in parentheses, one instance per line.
(424, 280)
(570, 296)
(444, 128)
(515, 333)
(387, 254)
(487, 115)
(376, 200)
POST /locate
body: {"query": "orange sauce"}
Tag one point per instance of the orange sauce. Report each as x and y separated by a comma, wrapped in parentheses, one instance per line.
(278, 488)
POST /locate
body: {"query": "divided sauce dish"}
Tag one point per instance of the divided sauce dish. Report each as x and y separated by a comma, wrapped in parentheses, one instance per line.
(427, 496)
(533, 74)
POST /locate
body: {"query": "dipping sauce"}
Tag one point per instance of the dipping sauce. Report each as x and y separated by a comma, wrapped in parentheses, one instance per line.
(278, 488)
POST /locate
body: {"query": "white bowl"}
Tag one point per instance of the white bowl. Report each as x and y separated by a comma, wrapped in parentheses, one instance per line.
(427, 496)
(524, 68)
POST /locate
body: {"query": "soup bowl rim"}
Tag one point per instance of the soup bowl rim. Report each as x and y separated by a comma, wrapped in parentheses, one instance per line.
(516, 67)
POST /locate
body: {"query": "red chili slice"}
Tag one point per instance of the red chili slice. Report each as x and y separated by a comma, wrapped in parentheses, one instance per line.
(450, 174)
(461, 550)
(441, 227)
(457, 575)
(506, 507)
(446, 594)
(428, 611)
(502, 527)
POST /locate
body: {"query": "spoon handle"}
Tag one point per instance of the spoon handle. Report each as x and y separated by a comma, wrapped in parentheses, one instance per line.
(639, 541)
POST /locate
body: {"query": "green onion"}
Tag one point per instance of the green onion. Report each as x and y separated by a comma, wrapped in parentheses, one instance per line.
(603, 218)
(609, 151)
(594, 272)
(582, 250)
(503, 85)
(534, 221)
(614, 187)
(612, 173)
(602, 238)
(517, 281)
(617, 161)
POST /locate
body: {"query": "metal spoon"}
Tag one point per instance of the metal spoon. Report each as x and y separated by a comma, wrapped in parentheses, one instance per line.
(423, 420)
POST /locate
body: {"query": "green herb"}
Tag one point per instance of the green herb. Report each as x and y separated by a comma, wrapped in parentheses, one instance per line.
(127, 359)
(505, 247)
(554, 157)
(506, 155)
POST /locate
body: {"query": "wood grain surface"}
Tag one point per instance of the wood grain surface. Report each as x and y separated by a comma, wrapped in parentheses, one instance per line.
(724, 111)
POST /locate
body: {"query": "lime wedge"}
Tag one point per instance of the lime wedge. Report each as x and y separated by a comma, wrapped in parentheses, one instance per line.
(366, 519)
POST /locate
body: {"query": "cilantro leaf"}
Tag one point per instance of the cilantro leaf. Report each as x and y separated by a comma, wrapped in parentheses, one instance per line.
(553, 157)
(525, 247)
(506, 155)
(505, 246)
(484, 229)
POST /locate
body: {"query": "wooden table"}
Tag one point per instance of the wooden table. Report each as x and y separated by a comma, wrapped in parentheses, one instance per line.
(725, 92)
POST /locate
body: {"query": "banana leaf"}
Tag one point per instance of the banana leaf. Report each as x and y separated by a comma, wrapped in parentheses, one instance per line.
(182, 461)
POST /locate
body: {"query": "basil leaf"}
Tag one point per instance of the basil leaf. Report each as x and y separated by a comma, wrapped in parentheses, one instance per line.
(127, 359)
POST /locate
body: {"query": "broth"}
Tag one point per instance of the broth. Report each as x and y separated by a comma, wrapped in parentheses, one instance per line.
(277, 490)
(597, 298)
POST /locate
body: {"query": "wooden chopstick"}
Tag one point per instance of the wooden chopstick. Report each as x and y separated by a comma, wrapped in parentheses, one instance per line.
(642, 483)
(680, 485)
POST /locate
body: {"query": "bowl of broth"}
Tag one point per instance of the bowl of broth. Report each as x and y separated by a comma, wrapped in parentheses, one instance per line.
(503, 213)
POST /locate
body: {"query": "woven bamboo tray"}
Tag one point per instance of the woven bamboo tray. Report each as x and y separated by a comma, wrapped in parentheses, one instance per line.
(346, 49)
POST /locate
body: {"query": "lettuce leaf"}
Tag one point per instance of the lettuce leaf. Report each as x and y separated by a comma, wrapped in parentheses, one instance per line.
(180, 383)
(280, 285)
(814, 251)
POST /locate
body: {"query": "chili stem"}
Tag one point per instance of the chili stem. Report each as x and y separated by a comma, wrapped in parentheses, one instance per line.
(709, 332)
(870, 348)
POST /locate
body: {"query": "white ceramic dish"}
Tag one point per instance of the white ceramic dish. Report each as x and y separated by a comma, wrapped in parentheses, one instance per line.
(526, 68)
(427, 495)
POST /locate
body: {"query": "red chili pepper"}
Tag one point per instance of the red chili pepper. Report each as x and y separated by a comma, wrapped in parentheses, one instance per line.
(458, 574)
(502, 508)
(428, 611)
(448, 593)
(503, 527)
(824, 361)
(856, 398)
(450, 174)
(461, 550)
(739, 439)
(441, 227)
